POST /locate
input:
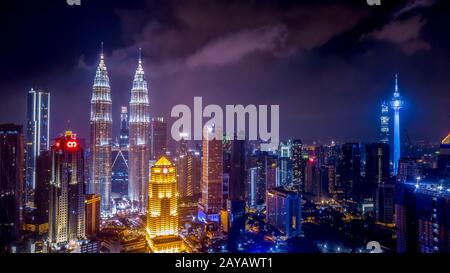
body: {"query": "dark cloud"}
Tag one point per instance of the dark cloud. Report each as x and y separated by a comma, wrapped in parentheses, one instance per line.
(328, 64)
(404, 33)
(413, 5)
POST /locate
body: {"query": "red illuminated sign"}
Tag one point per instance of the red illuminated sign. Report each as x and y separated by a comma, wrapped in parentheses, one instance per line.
(69, 144)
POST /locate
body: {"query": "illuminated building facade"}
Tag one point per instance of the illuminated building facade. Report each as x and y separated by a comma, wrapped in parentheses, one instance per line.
(211, 201)
(162, 212)
(396, 105)
(377, 183)
(284, 211)
(158, 137)
(67, 198)
(101, 136)
(252, 186)
(189, 172)
(139, 151)
(38, 128)
(422, 217)
(298, 166)
(92, 210)
(284, 165)
(384, 123)
(377, 166)
(11, 183)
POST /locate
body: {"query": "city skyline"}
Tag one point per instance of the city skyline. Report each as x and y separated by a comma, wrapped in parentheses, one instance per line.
(352, 157)
(348, 60)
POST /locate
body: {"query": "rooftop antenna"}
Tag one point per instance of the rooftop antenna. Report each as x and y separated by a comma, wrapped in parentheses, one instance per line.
(101, 55)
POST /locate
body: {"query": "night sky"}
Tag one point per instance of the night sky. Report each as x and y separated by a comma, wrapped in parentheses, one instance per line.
(328, 64)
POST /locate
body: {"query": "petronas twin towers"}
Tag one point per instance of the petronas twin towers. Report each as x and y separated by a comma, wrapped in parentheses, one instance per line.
(101, 138)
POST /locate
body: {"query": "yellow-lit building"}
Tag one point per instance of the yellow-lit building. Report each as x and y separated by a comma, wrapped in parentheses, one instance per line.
(162, 212)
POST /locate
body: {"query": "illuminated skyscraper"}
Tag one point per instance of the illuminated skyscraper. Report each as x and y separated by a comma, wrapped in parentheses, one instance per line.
(11, 183)
(211, 201)
(252, 186)
(384, 123)
(101, 136)
(298, 166)
(396, 105)
(285, 165)
(189, 175)
(66, 207)
(139, 151)
(38, 128)
(284, 211)
(162, 211)
(422, 211)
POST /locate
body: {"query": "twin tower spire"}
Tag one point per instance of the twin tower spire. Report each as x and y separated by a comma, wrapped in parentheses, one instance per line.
(101, 137)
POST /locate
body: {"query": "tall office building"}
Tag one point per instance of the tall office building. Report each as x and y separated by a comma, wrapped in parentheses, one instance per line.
(311, 175)
(162, 212)
(322, 190)
(331, 175)
(101, 136)
(139, 151)
(38, 129)
(211, 201)
(158, 137)
(377, 183)
(376, 169)
(43, 178)
(396, 105)
(189, 175)
(263, 175)
(252, 186)
(385, 203)
(237, 170)
(384, 123)
(189, 169)
(350, 171)
(422, 217)
(284, 211)
(92, 212)
(235, 205)
(298, 165)
(12, 166)
(284, 165)
(66, 208)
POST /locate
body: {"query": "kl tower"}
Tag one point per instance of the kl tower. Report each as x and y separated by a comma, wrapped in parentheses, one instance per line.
(396, 105)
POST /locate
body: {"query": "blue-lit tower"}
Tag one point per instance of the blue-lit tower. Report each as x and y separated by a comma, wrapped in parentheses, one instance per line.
(396, 105)
(384, 123)
(37, 137)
